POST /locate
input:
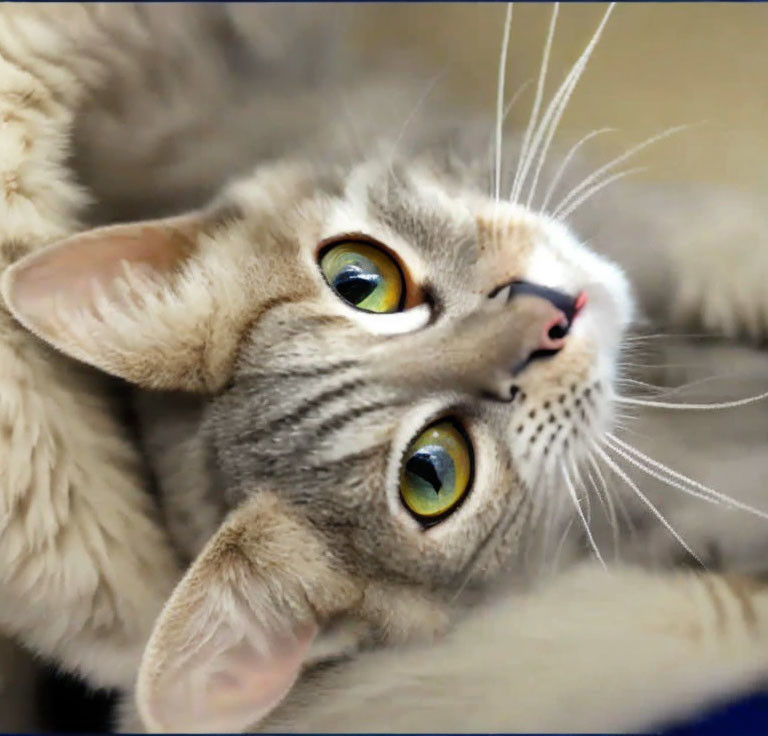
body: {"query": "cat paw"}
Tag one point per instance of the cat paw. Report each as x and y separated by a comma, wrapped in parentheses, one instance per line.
(722, 271)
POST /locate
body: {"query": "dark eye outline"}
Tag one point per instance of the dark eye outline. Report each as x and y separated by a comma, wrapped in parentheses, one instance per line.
(411, 295)
(427, 522)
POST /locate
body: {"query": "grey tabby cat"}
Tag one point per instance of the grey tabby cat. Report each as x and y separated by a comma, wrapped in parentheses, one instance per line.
(369, 392)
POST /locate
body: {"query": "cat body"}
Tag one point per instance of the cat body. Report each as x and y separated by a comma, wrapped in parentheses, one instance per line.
(276, 417)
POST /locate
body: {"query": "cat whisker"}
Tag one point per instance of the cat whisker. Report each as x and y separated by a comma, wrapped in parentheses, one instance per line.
(692, 407)
(580, 512)
(564, 214)
(671, 336)
(595, 176)
(354, 141)
(566, 160)
(500, 99)
(659, 476)
(705, 492)
(626, 364)
(608, 507)
(618, 471)
(556, 108)
(431, 85)
(672, 390)
(578, 483)
(533, 118)
(518, 93)
(561, 545)
(601, 488)
(513, 100)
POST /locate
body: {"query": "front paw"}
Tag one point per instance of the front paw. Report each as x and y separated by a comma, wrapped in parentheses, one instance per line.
(722, 270)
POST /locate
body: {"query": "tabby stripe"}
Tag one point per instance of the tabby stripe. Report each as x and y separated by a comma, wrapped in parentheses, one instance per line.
(340, 420)
(740, 590)
(314, 372)
(304, 410)
(717, 601)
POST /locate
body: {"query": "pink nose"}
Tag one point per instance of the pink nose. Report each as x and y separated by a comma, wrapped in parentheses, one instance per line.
(556, 330)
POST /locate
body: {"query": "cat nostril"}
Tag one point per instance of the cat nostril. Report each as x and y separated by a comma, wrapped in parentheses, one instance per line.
(554, 333)
(558, 331)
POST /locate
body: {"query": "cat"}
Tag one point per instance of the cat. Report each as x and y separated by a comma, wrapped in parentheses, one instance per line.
(364, 387)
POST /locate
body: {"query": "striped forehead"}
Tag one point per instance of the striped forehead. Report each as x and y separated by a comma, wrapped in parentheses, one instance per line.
(439, 226)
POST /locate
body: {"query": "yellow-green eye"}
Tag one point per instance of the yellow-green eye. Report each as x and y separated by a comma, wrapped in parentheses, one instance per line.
(364, 276)
(437, 471)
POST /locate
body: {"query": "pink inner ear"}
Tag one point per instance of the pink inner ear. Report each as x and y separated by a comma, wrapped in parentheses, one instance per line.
(67, 270)
(230, 690)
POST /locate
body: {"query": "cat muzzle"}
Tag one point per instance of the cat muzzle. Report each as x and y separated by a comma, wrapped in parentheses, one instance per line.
(485, 352)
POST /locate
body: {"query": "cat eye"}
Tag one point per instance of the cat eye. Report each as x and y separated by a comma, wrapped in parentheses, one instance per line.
(364, 275)
(436, 472)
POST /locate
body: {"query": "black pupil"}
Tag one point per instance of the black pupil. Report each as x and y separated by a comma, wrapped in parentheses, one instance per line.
(421, 464)
(353, 284)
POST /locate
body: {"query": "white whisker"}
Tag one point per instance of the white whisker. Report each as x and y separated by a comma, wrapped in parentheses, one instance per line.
(713, 496)
(560, 214)
(608, 506)
(616, 469)
(556, 107)
(533, 118)
(578, 482)
(564, 165)
(404, 127)
(672, 390)
(588, 181)
(692, 407)
(610, 442)
(561, 545)
(515, 97)
(619, 501)
(500, 99)
(580, 512)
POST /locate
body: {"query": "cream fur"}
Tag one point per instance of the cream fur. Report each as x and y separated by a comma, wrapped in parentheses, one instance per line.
(84, 567)
(592, 651)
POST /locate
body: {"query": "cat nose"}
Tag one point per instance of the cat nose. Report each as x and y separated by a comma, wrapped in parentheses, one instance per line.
(555, 331)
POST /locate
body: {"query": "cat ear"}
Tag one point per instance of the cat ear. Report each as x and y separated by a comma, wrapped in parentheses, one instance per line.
(133, 300)
(232, 639)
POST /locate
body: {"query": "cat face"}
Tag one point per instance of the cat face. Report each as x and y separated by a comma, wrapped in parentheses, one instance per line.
(326, 400)
(398, 375)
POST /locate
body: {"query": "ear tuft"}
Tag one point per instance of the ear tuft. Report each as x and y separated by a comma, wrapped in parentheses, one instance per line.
(133, 300)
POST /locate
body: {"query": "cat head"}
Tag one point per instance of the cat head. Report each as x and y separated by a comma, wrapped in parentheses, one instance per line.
(393, 370)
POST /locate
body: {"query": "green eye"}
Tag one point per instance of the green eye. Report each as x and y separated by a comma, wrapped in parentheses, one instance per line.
(364, 276)
(437, 471)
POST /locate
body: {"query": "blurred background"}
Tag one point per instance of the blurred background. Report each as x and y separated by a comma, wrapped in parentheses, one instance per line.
(657, 65)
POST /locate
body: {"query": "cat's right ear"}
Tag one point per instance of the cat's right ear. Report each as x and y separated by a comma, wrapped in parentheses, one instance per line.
(236, 632)
(141, 301)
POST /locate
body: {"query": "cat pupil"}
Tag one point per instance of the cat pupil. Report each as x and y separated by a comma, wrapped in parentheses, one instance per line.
(354, 285)
(422, 465)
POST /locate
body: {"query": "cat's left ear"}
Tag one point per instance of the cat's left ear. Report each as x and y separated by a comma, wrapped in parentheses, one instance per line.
(142, 301)
(233, 637)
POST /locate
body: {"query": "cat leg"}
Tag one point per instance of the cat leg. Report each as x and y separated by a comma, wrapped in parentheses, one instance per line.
(721, 258)
(593, 651)
(84, 566)
(697, 255)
